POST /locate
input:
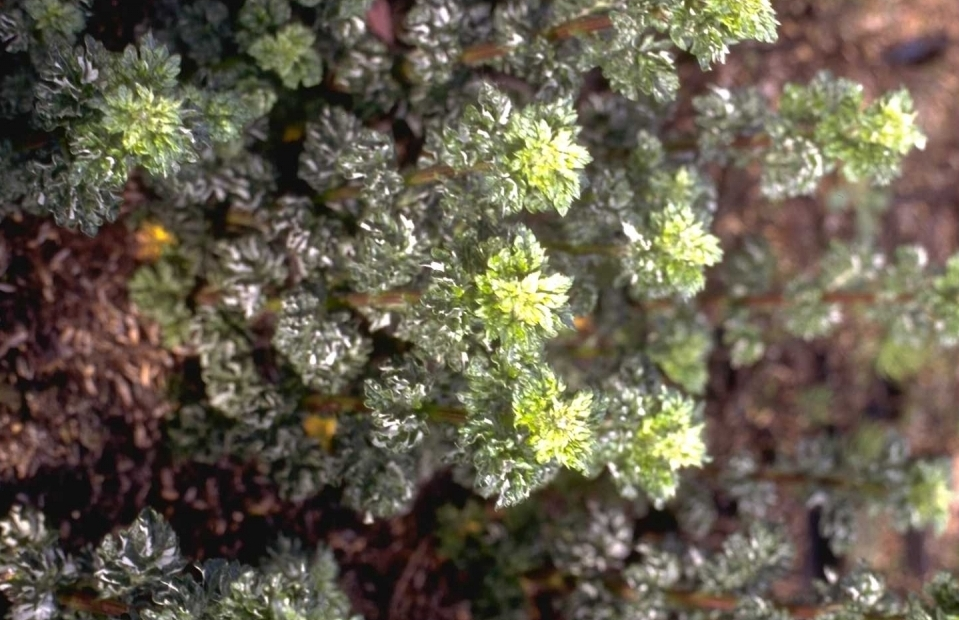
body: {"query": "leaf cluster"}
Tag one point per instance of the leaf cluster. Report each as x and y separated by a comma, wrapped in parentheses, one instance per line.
(139, 572)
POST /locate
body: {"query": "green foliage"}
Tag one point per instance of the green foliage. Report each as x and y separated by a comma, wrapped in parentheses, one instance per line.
(453, 251)
(745, 341)
(473, 260)
(259, 17)
(518, 304)
(638, 63)
(34, 564)
(290, 54)
(943, 591)
(928, 494)
(902, 354)
(671, 259)
(748, 560)
(545, 161)
(328, 352)
(869, 140)
(139, 571)
(872, 470)
(54, 18)
(113, 112)
(290, 585)
(707, 30)
(679, 346)
(150, 128)
(130, 562)
(650, 432)
(558, 428)
(819, 127)
(528, 158)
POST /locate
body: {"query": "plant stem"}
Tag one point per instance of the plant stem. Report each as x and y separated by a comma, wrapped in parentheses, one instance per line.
(383, 301)
(723, 602)
(334, 403)
(81, 601)
(718, 602)
(713, 604)
(593, 249)
(723, 303)
(416, 178)
(783, 478)
(431, 175)
(710, 304)
(337, 194)
(577, 26)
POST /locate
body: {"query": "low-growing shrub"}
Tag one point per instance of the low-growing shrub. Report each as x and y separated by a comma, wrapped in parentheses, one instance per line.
(479, 245)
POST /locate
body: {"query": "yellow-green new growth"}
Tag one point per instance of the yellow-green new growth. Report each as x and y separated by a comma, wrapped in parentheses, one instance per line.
(685, 241)
(543, 159)
(706, 28)
(547, 163)
(929, 494)
(871, 142)
(559, 428)
(150, 128)
(290, 54)
(56, 17)
(671, 257)
(665, 441)
(530, 301)
(743, 19)
(518, 303)
(672, 440)
(868, 140)
(891, 122)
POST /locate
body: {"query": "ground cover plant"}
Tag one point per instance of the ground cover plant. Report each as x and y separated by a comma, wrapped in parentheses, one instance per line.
(471, 238)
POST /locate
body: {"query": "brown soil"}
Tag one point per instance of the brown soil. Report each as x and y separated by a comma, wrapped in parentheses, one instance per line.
(883, 45)
(81, 376)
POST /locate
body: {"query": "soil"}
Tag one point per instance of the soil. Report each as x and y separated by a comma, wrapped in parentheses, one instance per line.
(883, 45)
(82, 374)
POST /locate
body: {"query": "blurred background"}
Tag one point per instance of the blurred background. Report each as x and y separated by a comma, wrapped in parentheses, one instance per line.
(883, 45)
